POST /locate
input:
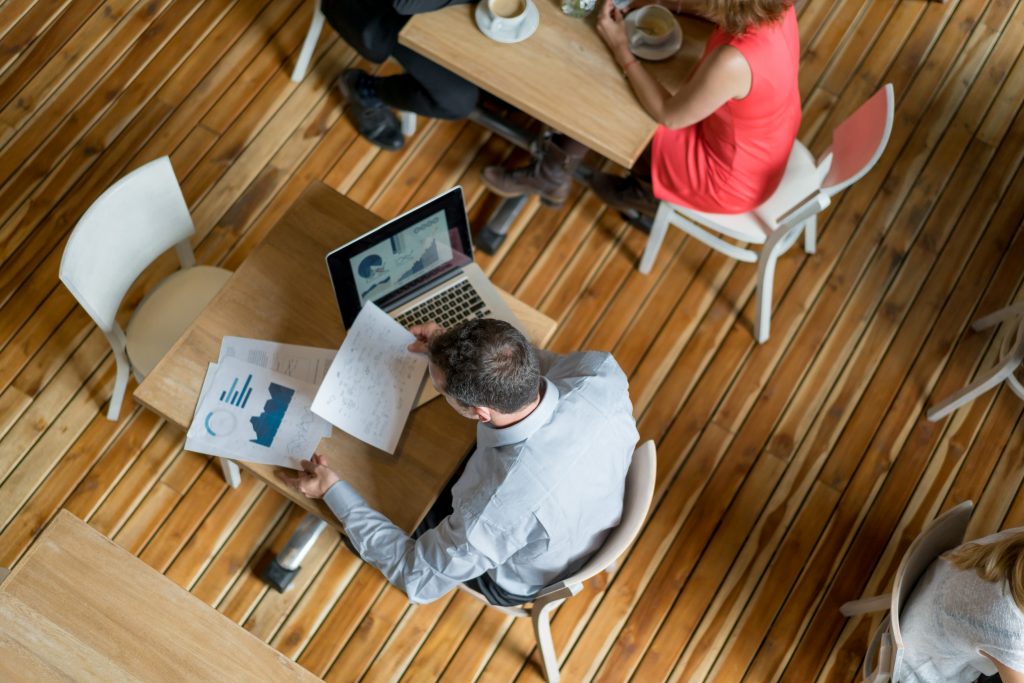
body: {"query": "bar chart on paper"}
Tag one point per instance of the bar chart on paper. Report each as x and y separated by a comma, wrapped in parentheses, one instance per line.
(240, 397)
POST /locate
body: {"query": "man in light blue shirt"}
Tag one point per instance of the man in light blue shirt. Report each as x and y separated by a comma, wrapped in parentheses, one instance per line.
(539, 494)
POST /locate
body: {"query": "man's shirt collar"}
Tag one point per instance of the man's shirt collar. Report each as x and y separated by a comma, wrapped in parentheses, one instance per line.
(490, 437)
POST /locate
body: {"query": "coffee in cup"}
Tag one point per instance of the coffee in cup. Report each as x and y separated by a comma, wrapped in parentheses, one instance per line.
(506, 15)
(653, 25)
(506, 9)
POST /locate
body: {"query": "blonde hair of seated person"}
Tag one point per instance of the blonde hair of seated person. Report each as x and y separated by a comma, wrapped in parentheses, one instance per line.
(1002, 560)
(736, 16)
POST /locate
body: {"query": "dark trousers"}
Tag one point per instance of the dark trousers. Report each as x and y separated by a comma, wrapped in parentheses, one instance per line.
(483, 584)
(371, 27)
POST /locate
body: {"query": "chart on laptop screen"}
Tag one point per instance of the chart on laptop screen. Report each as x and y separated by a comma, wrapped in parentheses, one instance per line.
(403, 257)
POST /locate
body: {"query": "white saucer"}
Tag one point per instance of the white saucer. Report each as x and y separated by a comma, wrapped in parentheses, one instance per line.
(520, 33)
(653, 53)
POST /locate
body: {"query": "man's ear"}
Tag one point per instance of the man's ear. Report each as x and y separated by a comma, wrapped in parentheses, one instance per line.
(482, 414)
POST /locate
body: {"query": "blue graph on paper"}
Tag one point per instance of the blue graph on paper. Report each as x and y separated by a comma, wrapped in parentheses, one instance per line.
(269, 421)
(237, 398)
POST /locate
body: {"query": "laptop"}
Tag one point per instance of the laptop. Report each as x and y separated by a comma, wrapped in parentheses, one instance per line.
(419, 268)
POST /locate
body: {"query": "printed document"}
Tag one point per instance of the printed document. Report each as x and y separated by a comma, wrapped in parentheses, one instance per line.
(372, 383)
(246, 412)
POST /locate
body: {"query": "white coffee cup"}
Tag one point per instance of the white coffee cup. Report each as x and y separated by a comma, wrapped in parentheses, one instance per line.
(506, 15)
(653, 26)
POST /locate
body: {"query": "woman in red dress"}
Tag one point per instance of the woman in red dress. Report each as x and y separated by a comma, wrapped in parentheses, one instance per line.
(723, 138)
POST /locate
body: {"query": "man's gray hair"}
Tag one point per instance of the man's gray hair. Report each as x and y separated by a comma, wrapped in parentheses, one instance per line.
(487, 363)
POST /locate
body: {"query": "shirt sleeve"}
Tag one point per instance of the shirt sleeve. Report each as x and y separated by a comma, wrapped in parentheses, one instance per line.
(425, 568)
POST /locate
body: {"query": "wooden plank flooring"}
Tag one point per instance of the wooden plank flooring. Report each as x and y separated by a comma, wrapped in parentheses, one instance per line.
(791, 476)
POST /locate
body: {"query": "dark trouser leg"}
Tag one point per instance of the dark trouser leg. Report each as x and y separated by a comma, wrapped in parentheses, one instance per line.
(483, 584)
(370, 26)
(426, 88)
(642, 167)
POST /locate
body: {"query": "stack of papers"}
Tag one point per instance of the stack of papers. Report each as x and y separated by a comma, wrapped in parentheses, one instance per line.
(271, 403)
(255, 403)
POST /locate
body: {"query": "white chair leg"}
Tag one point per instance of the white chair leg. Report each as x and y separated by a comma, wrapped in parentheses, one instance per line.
(316, 24)
(231, 473)
(988, 380)
(765, 282)
(120, 386)
(999, 316)
(866, 605)
(408, 120)
(542, 629)
(1015, 386)
(811, 235)
(658, 230)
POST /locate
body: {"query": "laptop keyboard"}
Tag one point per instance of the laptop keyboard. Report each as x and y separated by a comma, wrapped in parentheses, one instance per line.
(447, 308)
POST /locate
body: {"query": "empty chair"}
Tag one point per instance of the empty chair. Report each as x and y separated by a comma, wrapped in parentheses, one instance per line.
(316, 25)
(1011, 358)
(136, 220)
(885, 652)
(639, 492)
(806, 189)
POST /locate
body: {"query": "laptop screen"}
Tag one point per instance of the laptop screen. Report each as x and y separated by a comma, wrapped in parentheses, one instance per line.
(403, 257)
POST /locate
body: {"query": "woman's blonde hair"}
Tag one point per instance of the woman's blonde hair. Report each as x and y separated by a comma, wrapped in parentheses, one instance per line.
(1000, 561)
(736, 16)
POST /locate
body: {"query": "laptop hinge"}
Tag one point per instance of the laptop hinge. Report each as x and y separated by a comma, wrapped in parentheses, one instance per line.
(423, 289)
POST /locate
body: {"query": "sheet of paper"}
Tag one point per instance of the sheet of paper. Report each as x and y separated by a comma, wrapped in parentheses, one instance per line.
(373, 381)
(306, 363)
(249, 413)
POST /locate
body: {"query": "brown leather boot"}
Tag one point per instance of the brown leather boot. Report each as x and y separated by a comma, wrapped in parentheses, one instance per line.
(549, 175)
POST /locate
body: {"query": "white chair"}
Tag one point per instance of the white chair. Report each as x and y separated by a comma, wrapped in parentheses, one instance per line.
(136, 220)
(806, 189)
(639, 492)
(884, 657)
(1011, 359)
(316, 25)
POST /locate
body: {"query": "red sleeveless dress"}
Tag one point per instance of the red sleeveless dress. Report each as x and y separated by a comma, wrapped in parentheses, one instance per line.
(733, 160)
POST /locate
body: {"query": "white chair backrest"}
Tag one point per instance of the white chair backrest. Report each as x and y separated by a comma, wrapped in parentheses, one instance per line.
(639, 492)
(943, 533)
(138, 218)
(858, 142)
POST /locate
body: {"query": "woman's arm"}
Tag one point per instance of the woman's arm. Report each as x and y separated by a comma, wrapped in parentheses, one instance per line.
(724, 75)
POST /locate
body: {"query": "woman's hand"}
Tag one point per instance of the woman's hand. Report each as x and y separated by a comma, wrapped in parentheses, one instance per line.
(612, 28)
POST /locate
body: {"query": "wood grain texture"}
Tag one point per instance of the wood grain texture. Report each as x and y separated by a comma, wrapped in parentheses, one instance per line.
(792, 475)
(565, 56)
(119, 619)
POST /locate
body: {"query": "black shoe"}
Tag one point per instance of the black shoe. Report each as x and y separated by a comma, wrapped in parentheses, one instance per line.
(624, 194)
(372, 118)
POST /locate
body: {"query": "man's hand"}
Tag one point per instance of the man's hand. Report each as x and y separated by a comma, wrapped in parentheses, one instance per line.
(424, 333)
(314, 480)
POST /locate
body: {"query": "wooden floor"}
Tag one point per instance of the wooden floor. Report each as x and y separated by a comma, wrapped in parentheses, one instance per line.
(791, 475)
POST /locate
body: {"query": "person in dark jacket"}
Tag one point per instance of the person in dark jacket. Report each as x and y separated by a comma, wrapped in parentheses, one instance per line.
(371, 27)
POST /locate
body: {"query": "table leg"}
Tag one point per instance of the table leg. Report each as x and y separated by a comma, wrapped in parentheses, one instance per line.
(493, 234)
(231, 473)
(281, 570)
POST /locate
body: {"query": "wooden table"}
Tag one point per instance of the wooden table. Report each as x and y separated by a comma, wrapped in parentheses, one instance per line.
(563, 75)
(79, 607)
(282, 292)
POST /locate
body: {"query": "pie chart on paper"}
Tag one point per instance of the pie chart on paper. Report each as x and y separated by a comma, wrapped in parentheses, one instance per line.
(220, 423)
